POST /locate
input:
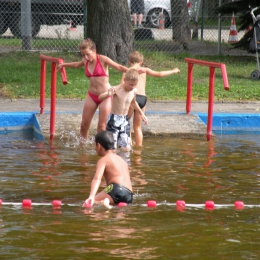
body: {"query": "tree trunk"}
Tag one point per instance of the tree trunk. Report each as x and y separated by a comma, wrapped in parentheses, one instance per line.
(180, 22)
(109, 26)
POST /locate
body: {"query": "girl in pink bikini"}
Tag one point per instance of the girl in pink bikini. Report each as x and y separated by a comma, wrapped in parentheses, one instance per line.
(96, 69)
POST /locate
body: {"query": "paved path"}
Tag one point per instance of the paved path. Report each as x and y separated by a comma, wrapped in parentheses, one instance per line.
(72, 105)
(63, 32)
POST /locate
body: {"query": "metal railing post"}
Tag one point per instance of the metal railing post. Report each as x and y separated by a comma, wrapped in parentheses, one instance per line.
(210, 102)
(212, 66)
(42, 86)
(189, 87)
(53, 99)
(54, 62)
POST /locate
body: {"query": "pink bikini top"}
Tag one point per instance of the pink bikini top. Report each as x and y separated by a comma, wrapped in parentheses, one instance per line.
(98, 70)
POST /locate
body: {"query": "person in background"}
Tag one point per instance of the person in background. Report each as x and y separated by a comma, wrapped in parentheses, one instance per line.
(195, 32)
(137, 11)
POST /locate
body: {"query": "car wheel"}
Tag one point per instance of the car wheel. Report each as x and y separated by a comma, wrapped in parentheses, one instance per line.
(15, 26)
(255, 75)
(153, 18)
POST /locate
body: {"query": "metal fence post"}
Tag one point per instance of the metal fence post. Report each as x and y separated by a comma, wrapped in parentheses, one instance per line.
(219, 29)
(26, 24)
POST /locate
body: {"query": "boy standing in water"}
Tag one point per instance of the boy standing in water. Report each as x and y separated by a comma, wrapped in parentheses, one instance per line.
(115, 171)
(136, 61)
(123, 98)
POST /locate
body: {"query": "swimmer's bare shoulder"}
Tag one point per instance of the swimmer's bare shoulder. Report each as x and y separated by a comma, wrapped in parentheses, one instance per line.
(116, 170)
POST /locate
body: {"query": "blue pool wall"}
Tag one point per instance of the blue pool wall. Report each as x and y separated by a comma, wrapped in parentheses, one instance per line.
(20, 121)
(233, 123)
(223, 123)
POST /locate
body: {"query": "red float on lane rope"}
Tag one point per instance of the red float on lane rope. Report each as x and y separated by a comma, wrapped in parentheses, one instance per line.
(180, 205)
(85, 205)
(151, 203)
(122, 204)
(56, 203)
(239, 204)
(209, 205)
(27, 203)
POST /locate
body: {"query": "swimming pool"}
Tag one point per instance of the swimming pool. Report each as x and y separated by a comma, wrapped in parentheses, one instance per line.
(166, 170)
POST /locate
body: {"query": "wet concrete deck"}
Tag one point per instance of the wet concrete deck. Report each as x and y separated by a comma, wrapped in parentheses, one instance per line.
(176, 125)
(166, 118)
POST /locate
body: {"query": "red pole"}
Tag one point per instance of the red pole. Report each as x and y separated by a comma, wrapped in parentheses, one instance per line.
(189, 88)
(53, 99)
(224, 76)
(211, 102)
(42, 86)
(63, 74)
(54, 61)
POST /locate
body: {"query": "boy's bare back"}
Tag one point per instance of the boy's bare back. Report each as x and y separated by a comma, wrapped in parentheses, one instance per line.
(142, 79)
(115, 170)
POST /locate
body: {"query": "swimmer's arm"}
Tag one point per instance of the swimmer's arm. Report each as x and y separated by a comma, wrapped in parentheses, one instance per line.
(113, 64)
(117, 66)
(139, 110)
(163, 73)
(75, 65)
(111, 91)
(100, 168)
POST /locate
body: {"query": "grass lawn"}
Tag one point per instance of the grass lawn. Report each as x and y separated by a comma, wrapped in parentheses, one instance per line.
(20, 77)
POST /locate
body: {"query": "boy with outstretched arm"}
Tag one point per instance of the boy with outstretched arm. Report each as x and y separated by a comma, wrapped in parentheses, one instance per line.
(123, 98)
(115, 171)
(135, 60)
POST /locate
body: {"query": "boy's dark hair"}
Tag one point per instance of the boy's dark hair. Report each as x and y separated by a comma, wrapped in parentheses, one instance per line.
(105, 139)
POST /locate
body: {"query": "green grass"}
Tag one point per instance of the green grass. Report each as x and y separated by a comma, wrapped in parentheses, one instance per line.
(20, 77)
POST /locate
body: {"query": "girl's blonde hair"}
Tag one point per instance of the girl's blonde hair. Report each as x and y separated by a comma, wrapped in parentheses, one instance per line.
(87, 44)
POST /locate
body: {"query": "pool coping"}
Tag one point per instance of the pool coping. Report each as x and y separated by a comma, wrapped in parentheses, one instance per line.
(161, 124)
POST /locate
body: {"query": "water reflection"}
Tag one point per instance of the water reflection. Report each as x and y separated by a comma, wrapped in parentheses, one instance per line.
(50, 159)
(223, 170)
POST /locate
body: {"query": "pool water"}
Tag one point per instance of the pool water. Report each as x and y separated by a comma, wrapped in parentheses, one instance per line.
(165, 170)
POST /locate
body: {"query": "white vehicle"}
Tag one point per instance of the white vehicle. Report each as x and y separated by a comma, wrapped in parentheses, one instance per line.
(153, 8)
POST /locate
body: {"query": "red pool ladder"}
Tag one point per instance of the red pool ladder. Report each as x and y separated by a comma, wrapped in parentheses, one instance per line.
(54, 62)
(212, 66)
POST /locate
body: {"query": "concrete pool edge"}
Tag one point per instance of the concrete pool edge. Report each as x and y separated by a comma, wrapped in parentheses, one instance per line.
(161, 124)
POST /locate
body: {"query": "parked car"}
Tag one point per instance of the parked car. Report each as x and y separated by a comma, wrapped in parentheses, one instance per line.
(49, 12)
(153, 8)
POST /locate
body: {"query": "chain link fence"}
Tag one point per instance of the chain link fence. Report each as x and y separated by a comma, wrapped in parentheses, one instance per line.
(57, 25)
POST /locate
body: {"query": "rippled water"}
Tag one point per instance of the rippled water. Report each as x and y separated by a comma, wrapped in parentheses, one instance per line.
(165, 170)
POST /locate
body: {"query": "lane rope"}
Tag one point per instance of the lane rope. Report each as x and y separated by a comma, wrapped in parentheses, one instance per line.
(180, 204)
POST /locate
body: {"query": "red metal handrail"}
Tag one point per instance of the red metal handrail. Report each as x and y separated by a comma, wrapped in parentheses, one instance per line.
(54, 62)
(212, 66)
